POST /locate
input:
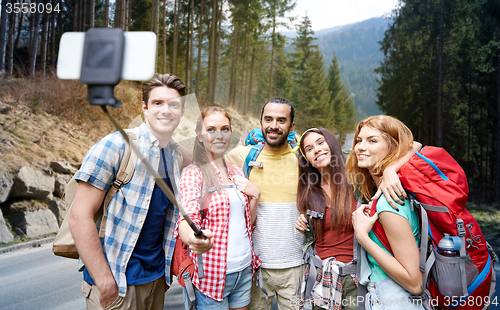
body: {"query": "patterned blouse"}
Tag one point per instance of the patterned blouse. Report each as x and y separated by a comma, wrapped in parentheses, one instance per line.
(216, 219)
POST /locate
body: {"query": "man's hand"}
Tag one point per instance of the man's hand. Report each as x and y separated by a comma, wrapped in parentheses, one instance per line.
(108, 292)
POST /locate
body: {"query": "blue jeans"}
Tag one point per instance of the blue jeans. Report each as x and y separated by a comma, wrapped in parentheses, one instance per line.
(387, 294)
(236, 293)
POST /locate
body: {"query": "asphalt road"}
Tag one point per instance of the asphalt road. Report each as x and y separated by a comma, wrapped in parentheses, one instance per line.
(34, 278)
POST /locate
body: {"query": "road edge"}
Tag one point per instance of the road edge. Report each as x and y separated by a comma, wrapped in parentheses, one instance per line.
(28, 244)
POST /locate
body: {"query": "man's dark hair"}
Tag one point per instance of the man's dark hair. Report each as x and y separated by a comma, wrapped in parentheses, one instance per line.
(281, 101)
(168, 80)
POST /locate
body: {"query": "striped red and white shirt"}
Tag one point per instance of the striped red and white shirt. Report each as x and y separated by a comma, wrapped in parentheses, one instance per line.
(216, 218)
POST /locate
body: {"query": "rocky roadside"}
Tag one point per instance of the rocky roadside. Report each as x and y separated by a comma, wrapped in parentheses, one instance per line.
(30, 200)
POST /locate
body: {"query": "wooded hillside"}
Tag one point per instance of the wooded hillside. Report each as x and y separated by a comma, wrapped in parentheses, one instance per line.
(441, 77)
(226, 51)
(440, 72)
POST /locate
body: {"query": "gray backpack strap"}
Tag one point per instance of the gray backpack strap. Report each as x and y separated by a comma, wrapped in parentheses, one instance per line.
(191, 297)
(260, 282)
(311, 258)
(362, 290)
(494, 259)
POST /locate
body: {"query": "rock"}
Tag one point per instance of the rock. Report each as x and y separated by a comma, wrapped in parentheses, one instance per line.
(6, 183)
(76, 166)
(60, 184)
(47, 170)
(5, 234)
(58, 207)
(32, 218)
(30, 183)
(62, 167)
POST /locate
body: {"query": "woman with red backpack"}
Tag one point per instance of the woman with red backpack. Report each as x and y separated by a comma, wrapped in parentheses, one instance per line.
(380, 141)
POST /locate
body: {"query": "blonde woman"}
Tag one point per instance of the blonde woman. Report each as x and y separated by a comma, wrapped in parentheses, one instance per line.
(379, 142)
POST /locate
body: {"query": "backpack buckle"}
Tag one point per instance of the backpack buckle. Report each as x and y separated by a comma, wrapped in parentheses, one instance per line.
(257, 164)
(117, 183)
(460, 228)
(315, 214)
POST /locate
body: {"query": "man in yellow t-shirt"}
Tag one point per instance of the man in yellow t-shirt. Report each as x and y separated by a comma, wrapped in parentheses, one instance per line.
(275, 238)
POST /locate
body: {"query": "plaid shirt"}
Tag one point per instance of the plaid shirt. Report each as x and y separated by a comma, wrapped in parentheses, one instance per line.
(217, 220)
(327, 290)
(128, 209)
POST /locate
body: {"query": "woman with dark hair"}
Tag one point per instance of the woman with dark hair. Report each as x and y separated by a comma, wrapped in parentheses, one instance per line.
(379, 142)
(324, 189)
(227, 254)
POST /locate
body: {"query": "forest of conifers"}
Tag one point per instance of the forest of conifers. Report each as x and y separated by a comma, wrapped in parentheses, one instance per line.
(440, 73)
(227, 51)
(441, 76)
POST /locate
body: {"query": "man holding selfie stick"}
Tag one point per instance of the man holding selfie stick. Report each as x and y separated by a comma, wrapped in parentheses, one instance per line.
(130, 267)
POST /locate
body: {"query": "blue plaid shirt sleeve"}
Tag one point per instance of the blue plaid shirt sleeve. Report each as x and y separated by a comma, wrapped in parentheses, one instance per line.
(101, 162)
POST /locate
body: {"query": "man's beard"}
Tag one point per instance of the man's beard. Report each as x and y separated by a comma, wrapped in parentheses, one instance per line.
(275, 143)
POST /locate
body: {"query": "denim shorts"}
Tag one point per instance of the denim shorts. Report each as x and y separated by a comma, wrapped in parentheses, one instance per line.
(236, 293)
(387, 294)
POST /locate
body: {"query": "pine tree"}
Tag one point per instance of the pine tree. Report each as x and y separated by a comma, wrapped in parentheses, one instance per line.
(283, 82)
(310, 88)
(317, 109)
(343, 105)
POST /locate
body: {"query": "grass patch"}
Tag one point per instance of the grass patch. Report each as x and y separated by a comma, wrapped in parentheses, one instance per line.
(36, 105)
(488, 217)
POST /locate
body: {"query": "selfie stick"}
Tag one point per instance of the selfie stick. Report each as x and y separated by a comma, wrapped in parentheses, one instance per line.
(159, 180)
(101, 71)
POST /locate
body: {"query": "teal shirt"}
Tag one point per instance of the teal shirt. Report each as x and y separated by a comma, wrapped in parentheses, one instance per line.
(405, 211)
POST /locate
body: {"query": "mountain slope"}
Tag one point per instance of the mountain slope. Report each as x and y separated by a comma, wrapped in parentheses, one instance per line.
(358, 53)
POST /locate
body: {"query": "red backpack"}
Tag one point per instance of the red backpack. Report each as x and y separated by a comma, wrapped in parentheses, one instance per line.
(437, 187)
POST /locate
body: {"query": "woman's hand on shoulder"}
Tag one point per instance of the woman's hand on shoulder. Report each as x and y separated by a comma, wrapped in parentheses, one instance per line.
(301, 224)
(246, 187)
(391, 188)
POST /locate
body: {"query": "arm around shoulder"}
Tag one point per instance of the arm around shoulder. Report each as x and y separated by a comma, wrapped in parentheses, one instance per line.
(391, 185)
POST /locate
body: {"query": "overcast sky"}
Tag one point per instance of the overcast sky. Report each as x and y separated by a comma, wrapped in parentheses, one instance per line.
(329, 13)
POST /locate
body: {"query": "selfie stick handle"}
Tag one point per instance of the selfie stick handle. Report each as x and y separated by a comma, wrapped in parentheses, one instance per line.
(159, 181)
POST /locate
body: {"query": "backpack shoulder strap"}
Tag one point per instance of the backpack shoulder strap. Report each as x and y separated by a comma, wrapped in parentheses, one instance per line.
(378, 230)
(122, 177)
(204, 201)
(250, 160)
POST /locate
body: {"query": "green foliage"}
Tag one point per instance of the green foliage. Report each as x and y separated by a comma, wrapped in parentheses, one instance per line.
(409, 81)
(283, 82)
(310, 89)
(141, 15)
(343, 103)
(35, 104)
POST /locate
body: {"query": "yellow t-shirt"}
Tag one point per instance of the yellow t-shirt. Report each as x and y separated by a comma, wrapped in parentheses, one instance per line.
(277, 179)
(275, 239)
